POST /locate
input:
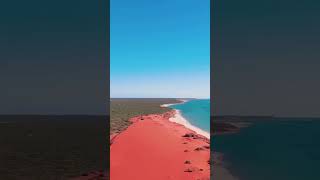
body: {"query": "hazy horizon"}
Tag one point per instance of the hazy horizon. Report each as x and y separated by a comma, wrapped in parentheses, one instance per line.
(156, 98)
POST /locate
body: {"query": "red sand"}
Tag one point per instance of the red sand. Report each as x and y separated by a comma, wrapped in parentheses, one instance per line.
(154, 149)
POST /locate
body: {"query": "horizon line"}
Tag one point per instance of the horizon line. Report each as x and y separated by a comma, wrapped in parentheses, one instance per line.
(160, 97)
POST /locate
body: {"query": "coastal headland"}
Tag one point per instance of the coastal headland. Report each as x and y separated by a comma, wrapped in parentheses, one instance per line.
(154, 147)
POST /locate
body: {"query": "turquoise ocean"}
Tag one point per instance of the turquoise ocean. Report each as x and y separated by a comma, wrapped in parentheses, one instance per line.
(196, 112)
(281, 149)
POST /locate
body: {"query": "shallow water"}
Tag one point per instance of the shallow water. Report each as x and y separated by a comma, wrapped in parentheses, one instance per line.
(197, 112)
(285, 149)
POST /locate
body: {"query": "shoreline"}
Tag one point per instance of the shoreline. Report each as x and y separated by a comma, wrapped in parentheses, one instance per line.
(219, 169)
(219, 166)
(153, 147)
(178, 118)
(181, 102)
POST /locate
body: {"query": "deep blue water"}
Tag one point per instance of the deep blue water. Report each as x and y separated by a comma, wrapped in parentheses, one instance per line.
(197, 112)
(277, 150)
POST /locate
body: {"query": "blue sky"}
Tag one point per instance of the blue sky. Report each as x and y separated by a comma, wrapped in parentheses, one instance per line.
(160, 48)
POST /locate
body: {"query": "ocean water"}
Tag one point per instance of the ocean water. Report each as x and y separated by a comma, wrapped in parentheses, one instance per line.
(284, 149)
(196, 112)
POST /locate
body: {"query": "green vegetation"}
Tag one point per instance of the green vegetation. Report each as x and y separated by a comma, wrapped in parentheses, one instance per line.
(123, 109)
(52, 147)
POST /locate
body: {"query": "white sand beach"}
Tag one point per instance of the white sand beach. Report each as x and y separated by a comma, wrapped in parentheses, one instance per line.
(178, 118)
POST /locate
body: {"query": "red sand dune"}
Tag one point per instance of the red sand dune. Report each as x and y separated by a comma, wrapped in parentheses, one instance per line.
(153, 148)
